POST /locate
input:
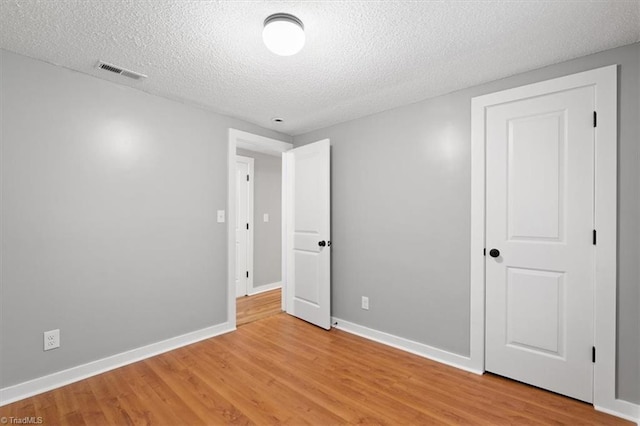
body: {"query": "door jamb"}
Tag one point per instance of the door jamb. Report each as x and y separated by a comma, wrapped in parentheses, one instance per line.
(604, 80)
(250, 141)
(250, 167)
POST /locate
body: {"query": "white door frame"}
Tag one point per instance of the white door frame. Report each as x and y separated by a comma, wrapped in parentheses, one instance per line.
(250, 166)
(604, 80)
(249, 141)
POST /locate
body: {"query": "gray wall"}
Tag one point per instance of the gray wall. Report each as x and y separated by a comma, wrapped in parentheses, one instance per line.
(401, 214)
(109, 233)
(267, 237)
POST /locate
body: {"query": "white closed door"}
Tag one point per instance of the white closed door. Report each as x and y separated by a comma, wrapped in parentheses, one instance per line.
(540, 204)
(244, 166)
(308, 257)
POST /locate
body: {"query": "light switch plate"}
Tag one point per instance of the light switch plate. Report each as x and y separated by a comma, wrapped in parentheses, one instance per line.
(220, 216)
(265, 217)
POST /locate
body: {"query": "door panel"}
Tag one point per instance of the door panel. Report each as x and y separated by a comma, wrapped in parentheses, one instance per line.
(307, 276)
(536, 167)
(308, 224)
(539, 290)
(535, 296)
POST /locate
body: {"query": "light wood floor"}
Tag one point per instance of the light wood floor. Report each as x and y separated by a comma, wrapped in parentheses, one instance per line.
(254, 308)
(281, 370)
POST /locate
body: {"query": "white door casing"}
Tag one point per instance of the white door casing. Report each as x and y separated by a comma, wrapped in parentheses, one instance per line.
(244, 225)
(245, 140)
(604, 82)
(539, 201)
(308, 254)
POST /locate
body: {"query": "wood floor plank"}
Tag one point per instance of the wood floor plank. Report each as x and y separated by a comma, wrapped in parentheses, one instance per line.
(69, 410)
(344, 405)
(350, 370)
(144, 383)
(280, 370)
(257, 307)
(207, 404)
(247, 400)
(46, 407)
(87, 405)
(324, 378)
(132, 408)
(267, 387)
(110, 391)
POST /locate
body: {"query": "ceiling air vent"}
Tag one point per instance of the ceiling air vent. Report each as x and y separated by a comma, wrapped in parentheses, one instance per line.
(119, 70)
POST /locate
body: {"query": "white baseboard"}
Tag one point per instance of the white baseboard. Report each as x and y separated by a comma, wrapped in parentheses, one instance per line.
(61, 378)
(620, 408)
(266, 287)
(420, 349)
(8, 395)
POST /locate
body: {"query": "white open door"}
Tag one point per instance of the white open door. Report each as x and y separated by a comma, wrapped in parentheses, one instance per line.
(307, 221)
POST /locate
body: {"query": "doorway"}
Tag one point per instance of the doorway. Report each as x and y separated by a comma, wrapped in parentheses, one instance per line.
(305, 237)
(258, 235)
(264, 281)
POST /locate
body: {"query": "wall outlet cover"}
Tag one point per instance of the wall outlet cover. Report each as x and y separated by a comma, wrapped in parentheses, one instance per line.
(365, 303)
(51, 339)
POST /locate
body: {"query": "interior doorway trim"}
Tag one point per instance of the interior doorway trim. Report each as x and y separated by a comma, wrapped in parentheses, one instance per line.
(250, 225)
(250, 141)
(604, 80)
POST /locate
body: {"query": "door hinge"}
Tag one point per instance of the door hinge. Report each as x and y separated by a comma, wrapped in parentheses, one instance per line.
(247, 226)
(247, 274)
(484, 251)
(593, 354)
(247, 178)
(595, 119)
(595, 238)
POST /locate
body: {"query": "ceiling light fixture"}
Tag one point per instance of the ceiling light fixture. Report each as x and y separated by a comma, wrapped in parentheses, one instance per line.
(283, 34)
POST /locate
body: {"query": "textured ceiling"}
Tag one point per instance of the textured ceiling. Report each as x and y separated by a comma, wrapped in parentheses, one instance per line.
(361, 57)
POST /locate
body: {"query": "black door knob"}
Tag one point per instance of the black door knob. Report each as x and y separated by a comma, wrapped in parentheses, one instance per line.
(322, 243)
(494, 252)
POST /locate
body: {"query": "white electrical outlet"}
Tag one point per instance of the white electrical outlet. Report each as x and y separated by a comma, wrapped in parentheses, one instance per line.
(365, 303)
(220, 216)
(51, 339)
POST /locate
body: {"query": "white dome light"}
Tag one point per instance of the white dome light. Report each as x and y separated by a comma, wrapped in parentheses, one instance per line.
(283, 34)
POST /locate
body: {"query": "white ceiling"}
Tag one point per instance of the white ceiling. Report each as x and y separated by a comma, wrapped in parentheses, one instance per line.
(361, 57)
